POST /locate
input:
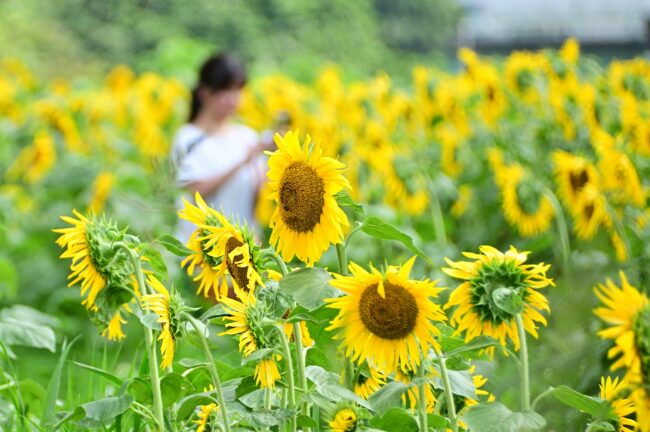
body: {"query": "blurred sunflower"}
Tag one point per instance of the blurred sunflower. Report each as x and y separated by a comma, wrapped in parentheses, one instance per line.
(205, 412)
(343, 420)
(590, 213)
(529, 219)
(387, 319)
(572, 173)
(303, 182)
(494, 274)
(369, 380)
(161, 304)
(102, 187)
(624, 408)
(35, 160)
(411, 398)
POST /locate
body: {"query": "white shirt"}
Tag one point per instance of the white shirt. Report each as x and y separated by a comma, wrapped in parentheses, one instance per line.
(198, 156)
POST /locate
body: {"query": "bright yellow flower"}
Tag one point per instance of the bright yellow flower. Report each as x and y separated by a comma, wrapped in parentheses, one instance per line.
(386, 319)
(624, 408)
(241, 322)
(159, 303)
(368, 383)
(477, 313)
(303, 183)
(205, 411)
(35, 160)
(101, 190)
(267, 373)
(343, 420)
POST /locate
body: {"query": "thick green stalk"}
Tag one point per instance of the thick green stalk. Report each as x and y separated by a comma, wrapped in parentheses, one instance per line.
(523, 355)
(216, 382)
(449, 395)
(562, 229)
(343, 260)
(290, 381)
(422, 403)
(302, 376)
(151, 345)
(280, 262)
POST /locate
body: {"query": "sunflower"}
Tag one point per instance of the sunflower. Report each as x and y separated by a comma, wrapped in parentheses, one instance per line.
(210, 271)
(267, 373)
(234, 250)
(303, 184)
(114, 329)
(572, 174)
(35, 160)
(102, 187)
(411, 398)
(493, 274)
(610, 390)
(479, 381)
(244, 319)
(81, 247)
(590, 213)
(369, 380)
(344, 420)
(529, 222)
(161, 304)
(386, 319)
(307, 341)
(205, 411)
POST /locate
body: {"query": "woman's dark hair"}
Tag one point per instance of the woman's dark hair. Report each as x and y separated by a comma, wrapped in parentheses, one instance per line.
(220, 72)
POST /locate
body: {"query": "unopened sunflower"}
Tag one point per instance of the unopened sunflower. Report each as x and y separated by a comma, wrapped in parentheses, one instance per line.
(303, 182)
(613, 391)
(493, 275)
(385, 319)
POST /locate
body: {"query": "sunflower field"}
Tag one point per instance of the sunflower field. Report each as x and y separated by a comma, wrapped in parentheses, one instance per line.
(468, 251)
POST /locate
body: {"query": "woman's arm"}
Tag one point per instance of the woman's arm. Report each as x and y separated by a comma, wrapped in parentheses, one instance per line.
(212, 184)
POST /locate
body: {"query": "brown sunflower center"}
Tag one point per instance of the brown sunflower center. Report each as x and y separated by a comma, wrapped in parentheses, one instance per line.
(302, 198)
(578, 179)
(238, 273)
(392, 317)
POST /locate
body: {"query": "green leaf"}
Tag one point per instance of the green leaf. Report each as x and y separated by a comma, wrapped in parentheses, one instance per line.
(25, 313)
(308, 286)
(602, 426)
(150, 320)
(101, 372)
(344, 199)
(437, 421)
(375, 227)
(105, 409)
(173, 245)
(258, 354)
(327, 385)
(508, 300)
(156, 261)
(307, 422)
(461, 382)
(495, 417)
(174, 386)
(388, 396)
(26, 333)
(595, 407)
(47, 418)
(477, 344)
(394, 420)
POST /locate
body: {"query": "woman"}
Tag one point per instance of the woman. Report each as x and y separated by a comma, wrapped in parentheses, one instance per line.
(215, 156)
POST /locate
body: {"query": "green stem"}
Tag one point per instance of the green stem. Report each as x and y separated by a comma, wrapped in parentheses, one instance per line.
(540, 397)
(438, 219)
(278, 260)
(343, 260)
(151, 343)
(449, 396)
(302, 376)
(562, 229)
(422, 403)
(290, 381)
(267, 399)
(216, 382)
(523, 352)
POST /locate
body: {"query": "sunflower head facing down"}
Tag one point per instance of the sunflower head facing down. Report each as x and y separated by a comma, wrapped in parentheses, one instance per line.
(624, 408)
(303, 183)
(267, 373)
(385, 319)
(221, 249)
(168, 310)
(496, 287)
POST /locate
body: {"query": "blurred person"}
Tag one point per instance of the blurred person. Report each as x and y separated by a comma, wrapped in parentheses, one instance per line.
(214, 155)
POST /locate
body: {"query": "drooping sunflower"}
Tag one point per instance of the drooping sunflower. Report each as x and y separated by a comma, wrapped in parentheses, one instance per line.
(477, 313)
(81, 247)
(303, 183)
(613, 392)
(267, 373)
(343, 420)
(161, 303)
(204, 413)
(369, 381)
(385, 319)
(114, 329)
